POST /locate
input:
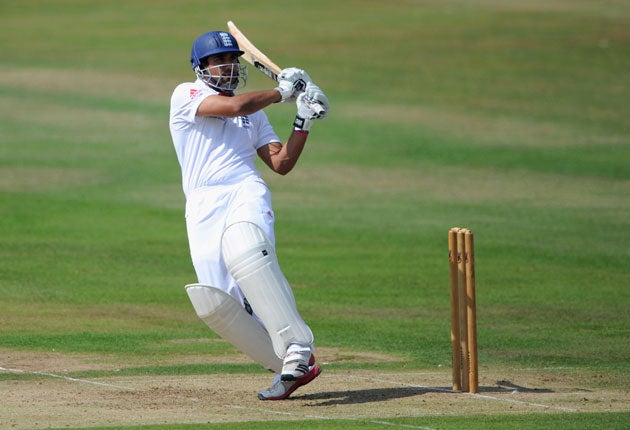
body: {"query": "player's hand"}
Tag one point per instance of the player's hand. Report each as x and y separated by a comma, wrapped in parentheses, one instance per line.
(316, 100)
(291, 82)
(312, 104)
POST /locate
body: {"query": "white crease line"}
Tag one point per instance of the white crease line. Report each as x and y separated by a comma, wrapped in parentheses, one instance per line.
(485, 396)
(318, 417)
(481, 396)
(67, 378)
(408, 426)
(269, 411)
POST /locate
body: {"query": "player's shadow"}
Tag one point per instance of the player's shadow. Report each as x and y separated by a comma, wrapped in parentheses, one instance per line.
(370, 395)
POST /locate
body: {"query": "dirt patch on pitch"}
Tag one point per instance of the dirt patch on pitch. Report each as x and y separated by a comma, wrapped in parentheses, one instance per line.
(38, 392)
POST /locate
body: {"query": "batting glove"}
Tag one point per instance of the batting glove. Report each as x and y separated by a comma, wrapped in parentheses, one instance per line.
(292, 81)
(312, 104)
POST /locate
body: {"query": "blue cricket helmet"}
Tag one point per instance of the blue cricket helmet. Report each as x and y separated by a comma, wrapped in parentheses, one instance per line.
(211, 43)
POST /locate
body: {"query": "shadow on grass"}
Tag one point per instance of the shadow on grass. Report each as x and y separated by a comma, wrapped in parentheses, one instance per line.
(373, 395)
(363, 396)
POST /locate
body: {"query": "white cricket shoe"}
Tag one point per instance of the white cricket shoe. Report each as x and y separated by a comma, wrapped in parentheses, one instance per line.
(296, 365)
(280, 389)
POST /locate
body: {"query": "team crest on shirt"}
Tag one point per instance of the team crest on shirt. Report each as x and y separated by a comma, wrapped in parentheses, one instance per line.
(194, 92)
(244, 122)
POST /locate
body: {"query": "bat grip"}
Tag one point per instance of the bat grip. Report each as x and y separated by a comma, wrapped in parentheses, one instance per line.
(317, 108)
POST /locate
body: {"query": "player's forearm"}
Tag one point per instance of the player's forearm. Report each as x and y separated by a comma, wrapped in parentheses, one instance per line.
(239, 105)
(249, 103)
(285, 159)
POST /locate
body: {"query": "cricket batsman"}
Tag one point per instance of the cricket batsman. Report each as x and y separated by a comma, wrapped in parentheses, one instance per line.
(242, 294)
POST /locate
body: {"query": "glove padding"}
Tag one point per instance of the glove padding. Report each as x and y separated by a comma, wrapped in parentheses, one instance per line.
(291, 82)
(312, 104)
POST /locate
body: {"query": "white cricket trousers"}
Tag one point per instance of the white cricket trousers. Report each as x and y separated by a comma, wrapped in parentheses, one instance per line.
(209, 211)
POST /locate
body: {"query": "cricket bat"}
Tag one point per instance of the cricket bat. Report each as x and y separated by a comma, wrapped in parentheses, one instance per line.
(260, 61)
(253, 55)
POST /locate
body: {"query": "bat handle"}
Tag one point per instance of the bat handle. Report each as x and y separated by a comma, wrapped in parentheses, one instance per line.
(317, 108)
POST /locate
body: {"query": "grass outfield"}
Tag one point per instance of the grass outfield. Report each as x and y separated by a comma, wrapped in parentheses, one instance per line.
(510, 118)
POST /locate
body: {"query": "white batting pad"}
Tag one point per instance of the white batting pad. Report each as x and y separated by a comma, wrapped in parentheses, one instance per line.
(227, 318)
(251, 259)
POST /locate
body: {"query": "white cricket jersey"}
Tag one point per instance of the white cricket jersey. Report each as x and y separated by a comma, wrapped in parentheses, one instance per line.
(214, 150)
